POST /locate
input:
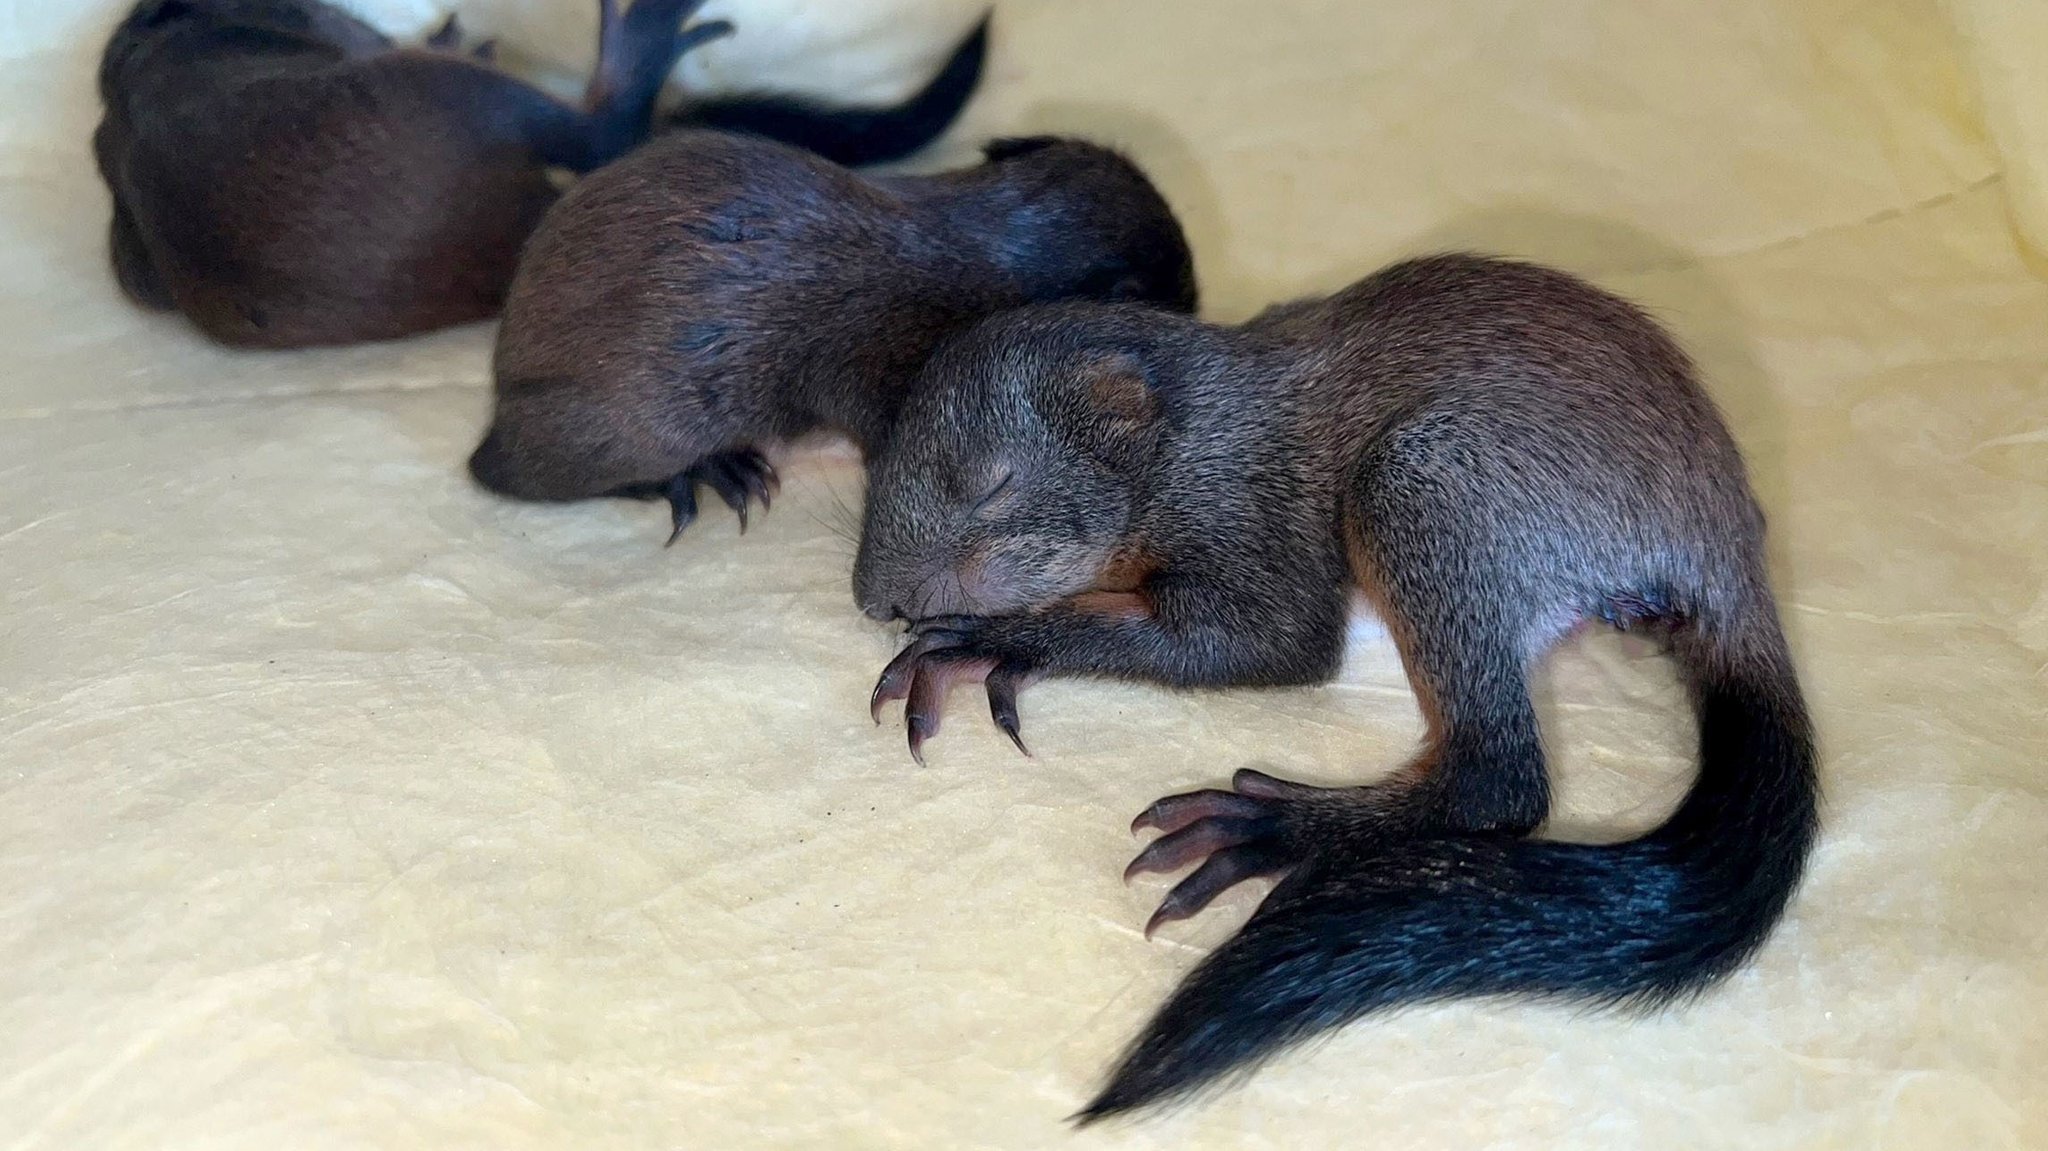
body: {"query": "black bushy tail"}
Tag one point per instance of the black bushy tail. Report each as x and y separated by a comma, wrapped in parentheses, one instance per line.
(852, 136)
(1637, 923)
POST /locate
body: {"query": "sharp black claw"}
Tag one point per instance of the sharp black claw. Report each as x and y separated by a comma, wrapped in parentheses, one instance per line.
(1004, 712)
(1011, 731)
(682, 506)
(1001, 686)
(739, 477)
(751, 472)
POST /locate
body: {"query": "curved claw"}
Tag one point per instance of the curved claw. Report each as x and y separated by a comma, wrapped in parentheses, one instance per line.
(921, 708)
(729, 483)
(916, 734)
(1006, 722)
(1177, 811)
(930, 684)
(1200, 839)
(736, 477)
(943, 652)
(1002, 685)
(758, 476)
(893, 685)
(1221, 873)
(1259, 785)
(897, 677)
(1261, 826)
(925, 672)
(682, 507)
(739, 477)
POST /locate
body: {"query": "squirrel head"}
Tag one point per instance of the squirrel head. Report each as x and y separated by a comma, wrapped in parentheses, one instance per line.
(1014, 470)
(1082, 221)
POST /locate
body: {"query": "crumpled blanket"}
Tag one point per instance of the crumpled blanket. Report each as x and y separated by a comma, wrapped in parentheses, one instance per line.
(342, 805)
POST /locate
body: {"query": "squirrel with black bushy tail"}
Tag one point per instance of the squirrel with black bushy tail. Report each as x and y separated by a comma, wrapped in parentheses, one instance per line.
(1494, 453)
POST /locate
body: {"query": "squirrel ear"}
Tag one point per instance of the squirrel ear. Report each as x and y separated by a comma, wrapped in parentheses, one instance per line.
(1117, 387)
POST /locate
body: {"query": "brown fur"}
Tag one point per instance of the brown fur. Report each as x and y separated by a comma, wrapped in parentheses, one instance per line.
(286, 176)
(711, 294)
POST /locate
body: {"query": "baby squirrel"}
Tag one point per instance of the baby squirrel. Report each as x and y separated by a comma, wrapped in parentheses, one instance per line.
(712, 295)
(286, 176)
(1493, 452)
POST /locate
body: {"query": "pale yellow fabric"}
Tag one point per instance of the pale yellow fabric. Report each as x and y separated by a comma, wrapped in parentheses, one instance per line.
(2006, 42)
(342, 806)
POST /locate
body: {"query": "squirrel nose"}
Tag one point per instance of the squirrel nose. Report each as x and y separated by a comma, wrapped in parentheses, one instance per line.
(882, 614)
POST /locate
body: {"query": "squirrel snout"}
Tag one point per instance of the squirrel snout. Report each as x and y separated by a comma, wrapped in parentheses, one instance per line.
(491, 464)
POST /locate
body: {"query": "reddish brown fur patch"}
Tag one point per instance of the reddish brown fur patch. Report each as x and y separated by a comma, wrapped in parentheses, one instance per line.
(1128, 570)
(1113, 604)
(1118, 387)
(1119, 591)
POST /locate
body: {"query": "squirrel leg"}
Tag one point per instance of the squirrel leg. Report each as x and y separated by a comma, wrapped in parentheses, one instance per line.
(1170, 631)
(1481, 770)
(636, 50)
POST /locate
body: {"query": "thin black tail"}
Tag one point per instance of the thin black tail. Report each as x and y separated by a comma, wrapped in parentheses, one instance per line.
(1636, 923)
(636, 50)
(853, 136)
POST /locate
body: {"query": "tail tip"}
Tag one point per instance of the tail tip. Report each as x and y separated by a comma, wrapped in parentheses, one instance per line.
(1109, 1104)
(1130, 1088)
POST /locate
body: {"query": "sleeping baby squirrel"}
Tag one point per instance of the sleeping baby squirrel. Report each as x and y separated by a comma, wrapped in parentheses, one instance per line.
(710, 296)
(1493, 452)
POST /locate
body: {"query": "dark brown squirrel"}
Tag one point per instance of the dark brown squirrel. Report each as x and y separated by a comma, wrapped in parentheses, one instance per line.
(287, 176)
(1494, 452)
(713, 295)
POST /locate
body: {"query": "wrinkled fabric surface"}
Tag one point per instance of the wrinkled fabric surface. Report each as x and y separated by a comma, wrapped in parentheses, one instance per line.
(344, 806)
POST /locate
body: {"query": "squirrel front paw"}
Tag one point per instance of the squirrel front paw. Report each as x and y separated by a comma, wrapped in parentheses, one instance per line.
(943, 652)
